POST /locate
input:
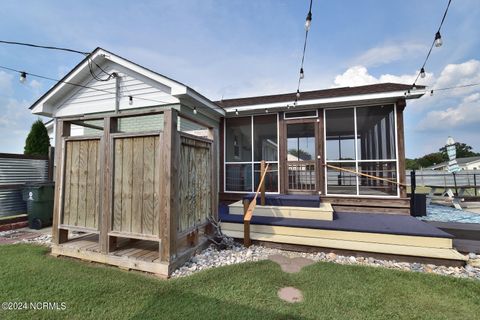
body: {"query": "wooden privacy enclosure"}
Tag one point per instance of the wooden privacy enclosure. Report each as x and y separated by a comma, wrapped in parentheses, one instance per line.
(149, 187)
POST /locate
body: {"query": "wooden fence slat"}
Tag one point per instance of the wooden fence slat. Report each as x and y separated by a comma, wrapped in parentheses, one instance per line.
(136, 213)
(91, 188)
(74, 184)
(156, 185)
(148, 185)
(67, 182)
(82, 183)
(117, 185)
(97, 186)
(127, 183)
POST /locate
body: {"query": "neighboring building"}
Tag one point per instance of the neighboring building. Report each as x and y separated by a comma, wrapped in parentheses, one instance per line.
(468, 163)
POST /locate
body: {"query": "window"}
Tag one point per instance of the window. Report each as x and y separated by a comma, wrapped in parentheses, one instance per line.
(248, 141)
(301, 114)
(361, 139)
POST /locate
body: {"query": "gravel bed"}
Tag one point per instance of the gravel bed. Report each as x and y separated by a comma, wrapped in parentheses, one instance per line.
(449, 214)
(212, 258)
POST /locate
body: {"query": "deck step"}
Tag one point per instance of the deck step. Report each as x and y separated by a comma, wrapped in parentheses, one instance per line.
(429, 247)
(323, 212)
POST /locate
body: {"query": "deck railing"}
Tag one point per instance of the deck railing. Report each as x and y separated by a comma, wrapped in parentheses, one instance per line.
(247, 217)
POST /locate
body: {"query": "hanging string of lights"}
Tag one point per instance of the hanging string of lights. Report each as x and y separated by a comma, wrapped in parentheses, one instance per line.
(437, 42)
(301, 75)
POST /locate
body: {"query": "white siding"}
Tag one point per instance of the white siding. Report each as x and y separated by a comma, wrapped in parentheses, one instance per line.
(89, 100)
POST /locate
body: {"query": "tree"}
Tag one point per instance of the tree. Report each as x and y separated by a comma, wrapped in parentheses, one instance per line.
(38, 141)
(300, 154)
(463, 151)
(412, 164)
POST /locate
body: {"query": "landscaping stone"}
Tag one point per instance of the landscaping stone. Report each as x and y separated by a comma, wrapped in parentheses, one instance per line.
(290, 294)
(290, 265)
(211, 258)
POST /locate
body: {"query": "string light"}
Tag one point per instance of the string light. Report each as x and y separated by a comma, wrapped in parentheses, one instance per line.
(130, 100)
(236, 112)
(302, 75)
(438, 39)
(266, 110)
(298, 93)
(308, 20)
(437, 42)
(194, 110)
(23, 76)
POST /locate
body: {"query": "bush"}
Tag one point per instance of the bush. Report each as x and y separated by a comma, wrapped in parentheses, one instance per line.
(38, 141)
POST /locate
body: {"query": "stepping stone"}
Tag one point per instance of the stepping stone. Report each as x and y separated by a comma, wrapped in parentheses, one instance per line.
(290, 265)
(290, 294)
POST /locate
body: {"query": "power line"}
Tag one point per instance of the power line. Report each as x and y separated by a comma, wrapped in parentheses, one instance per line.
(24, 74)
(455, 87)
(43, 47)
(437, 41)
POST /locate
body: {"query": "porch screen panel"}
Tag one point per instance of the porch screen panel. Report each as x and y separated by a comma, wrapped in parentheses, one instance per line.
(301, 157)
(361, 139)
(248, 141)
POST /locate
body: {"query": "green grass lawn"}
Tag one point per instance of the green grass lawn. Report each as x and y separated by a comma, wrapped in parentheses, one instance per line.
(245, 291)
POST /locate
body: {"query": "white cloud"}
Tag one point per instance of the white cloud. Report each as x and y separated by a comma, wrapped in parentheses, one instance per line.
(459, 74)
(6, 83)
(465, 113)
(388, 53)
(359, 75)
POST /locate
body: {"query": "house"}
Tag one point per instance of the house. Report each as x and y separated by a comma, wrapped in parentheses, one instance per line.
(143, 161)
(468, 163)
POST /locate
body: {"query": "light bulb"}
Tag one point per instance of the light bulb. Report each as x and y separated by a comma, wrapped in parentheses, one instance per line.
(438, 39)
(130, 100)
(266, 110)
(422, 73)
(236, 112)
(194, 110)
(431, 93)
(298, 93)
(23, 77)
(302, 75)
(308, 21)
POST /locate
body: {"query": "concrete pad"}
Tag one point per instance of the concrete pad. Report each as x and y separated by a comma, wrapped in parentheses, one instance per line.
(290, 294)
(290, 265)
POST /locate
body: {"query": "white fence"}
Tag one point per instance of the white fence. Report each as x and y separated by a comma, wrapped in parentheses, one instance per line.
(444, 178)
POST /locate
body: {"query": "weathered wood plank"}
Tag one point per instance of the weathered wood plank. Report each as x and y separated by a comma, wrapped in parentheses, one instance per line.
(156, 184)
(117, 186)
(148, 184)
(67, 182)
(74, 184)
(127, 183)
(91, 184)
(137, 191)
(82, 183)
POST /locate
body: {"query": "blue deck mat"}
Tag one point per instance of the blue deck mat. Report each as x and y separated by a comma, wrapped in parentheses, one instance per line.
(289, 200)
(356, 222)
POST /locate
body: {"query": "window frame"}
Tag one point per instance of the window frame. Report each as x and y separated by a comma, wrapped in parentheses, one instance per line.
(252, 162)
(357, 160)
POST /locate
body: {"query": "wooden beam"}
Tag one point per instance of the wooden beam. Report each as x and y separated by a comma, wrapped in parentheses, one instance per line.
(320, 152)
(401, 148)
(169, 160)
(62, 129)
(107, 243)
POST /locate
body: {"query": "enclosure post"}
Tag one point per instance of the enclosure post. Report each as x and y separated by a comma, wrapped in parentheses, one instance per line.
(62, 129)
(262, 187)
(51, 163)
(168, 186)
(107, 243)
(413, 186)
(475, 183)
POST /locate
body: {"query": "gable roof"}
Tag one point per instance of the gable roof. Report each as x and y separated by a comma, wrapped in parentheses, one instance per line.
(178, 89)
(318, 94)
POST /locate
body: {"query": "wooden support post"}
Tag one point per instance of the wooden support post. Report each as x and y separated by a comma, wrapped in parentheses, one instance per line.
(400, 105)
(247, 242)
(107, 243)
(51, 163)
(169, 159)
(62, 129)
(262, 185)
(246, 204)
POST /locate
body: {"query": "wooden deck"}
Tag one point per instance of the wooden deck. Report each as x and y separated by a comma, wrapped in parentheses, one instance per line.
(130, 254)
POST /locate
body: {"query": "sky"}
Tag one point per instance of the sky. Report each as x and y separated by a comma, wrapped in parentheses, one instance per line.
(236, 48)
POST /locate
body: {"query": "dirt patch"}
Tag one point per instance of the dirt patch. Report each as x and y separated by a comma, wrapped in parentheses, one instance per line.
(16, 236)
